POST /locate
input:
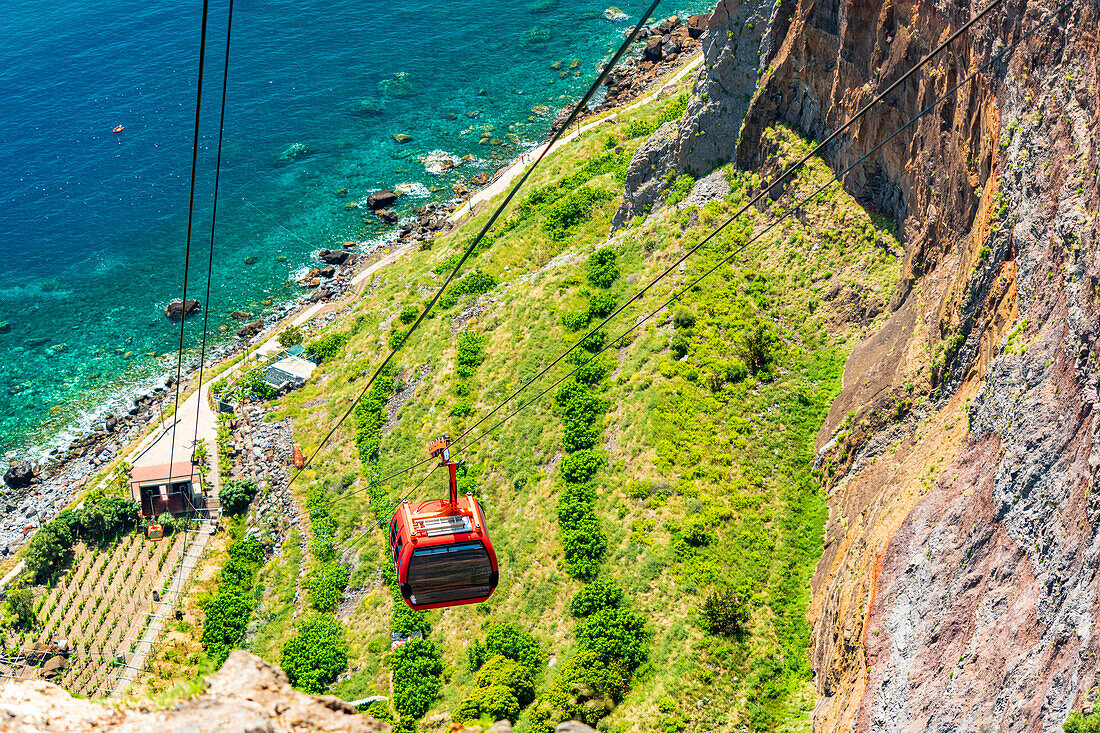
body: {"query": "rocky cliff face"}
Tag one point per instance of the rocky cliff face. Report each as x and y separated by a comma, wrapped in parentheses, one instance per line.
(959, 585)
(247, 695)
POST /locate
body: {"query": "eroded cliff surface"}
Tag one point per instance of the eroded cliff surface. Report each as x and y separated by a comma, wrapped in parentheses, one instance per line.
(958, 588)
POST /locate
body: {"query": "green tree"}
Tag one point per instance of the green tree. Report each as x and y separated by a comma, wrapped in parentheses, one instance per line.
(603, 267)
(512, 642)
(585, 689)
(617, 635)
(417, 666)
(326, 586)
(48, 548)
(596, 596)
(315, 656)
(496, 701)
(236, 495)
(20, 604)
(517, 677)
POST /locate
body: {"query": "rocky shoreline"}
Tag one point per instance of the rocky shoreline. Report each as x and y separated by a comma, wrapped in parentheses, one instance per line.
(34, 494)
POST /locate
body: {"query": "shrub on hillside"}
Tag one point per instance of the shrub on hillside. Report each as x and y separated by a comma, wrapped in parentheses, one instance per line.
(20, 608)
(326, 585)
(585, 689)
(475, 283)
(497, 702)
(409, 313)
(593, 372)
(517, 677)
(290, 336)
(236, 495)
(726, 613)
(596, 596)
(227, 614)
(617, 636)
(601, 305)
(471, 352)
(603, 267)
(575, 320)
(583, 545)
(757, 346)
(509, 641)
(580, 466)
(315, 656)
(327, 346)
(695, 532)
(572, 211)
(417, 666)
(47, 549)
(683, 318)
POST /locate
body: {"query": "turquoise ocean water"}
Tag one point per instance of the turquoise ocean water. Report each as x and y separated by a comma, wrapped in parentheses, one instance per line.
(92, 224)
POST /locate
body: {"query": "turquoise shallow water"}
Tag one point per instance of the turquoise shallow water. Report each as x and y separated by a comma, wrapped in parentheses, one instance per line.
(92, 224)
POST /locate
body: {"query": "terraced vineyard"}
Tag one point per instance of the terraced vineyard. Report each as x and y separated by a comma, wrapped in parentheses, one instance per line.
(101, 607)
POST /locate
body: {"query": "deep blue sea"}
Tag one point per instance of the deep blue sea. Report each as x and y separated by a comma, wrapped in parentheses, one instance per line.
(93, 224)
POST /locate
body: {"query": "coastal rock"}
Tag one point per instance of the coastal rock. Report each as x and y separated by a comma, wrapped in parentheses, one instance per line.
(240, 315)
(697, 25)
(251, 260)
(481, 179)
(110, 423)
(401, 84)
(19, 475)
(613, 13)
(386, 216)
(369, 107)
(381, 200)
(181, 308)
(319, 295)
(333, 256)
(669, 48)
(668, 25)
(401, 138)
(652, 50)
(251, 329)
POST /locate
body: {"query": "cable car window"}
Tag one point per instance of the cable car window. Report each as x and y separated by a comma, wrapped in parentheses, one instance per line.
(449, 573)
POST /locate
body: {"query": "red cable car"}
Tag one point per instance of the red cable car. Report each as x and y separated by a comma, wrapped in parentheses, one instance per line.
(441, 549)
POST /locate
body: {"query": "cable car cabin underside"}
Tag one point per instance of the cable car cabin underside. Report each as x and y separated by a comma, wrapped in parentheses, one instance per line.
(441, 550)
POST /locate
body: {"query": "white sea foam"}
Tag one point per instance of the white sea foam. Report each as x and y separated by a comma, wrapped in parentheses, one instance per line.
(438, 161)
(412, 190)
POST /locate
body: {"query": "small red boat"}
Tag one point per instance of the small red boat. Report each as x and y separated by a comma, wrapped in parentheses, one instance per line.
(118, 129)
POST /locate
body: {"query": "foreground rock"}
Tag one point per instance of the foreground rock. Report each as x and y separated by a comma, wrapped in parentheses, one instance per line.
(181, 308)
(19, 475)
(246, 695)
(333, 256)
(251, 329)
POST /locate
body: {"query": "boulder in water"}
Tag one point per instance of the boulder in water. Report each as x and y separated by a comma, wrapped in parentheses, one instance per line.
(181, 308)
(19, 475)
(401, 138)
(386, 216)
(668, 25)
(251, 329)
(613, 13)
(381, 200)
(110, 423)
(240, 315)
(401, 84)
(333, 256)
(368, 107)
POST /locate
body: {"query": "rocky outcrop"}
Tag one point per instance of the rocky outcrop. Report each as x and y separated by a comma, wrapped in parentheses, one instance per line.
(734, 47)
(181, 308)
(247, 695)
(961, 573)
(960, 578)
(19, 475)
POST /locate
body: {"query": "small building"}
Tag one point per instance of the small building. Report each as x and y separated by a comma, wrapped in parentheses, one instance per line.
(290, 370)
(157, 489)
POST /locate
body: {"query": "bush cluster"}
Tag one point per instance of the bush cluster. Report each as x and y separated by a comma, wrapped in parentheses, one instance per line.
(471, 352)
(581, 410)
(725, 612)
(603, 267)
(327, 346)
(596, 596)
(236, 495)
(585, 689)
(326, 585)
(475, 283)
(504, 687)
(370, 415)
(227, 614)
(572, 211)
(675, 111)
(315, 656)
(417, 677)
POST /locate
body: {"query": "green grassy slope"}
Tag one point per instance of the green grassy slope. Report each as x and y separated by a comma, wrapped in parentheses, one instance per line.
(705, 437)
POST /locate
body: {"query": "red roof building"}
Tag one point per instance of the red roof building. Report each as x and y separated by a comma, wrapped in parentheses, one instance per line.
(176, 489)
